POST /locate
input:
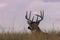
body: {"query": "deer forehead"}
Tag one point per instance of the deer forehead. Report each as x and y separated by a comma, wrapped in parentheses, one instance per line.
(33, 24)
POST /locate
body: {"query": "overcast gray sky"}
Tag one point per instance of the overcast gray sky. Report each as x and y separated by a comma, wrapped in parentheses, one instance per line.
(12, 13)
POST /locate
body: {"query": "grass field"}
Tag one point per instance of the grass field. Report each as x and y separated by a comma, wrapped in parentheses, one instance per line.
(25, 36)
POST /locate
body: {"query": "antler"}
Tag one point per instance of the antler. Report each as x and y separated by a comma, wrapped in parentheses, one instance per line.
(27, 16)
(29, 21)
(41, 16)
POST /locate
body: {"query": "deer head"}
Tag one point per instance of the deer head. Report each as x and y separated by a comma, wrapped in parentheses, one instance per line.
(33, 25)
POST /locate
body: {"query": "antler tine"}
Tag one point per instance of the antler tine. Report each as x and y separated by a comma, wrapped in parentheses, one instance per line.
(42, 15)
(30, 15)
(32, 18)
(37, 19)
(27, 16)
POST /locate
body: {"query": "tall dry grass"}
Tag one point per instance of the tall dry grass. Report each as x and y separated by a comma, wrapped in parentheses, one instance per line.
(33, 36)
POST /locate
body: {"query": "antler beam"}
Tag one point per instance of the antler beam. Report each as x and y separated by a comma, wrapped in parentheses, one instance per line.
(41, 16)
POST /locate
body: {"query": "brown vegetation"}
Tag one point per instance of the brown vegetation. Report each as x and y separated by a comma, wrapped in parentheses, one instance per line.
(33, 36)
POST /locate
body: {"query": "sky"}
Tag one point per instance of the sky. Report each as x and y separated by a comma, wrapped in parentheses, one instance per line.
(12, 14)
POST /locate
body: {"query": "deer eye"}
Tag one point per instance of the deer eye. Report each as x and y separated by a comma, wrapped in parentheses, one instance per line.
(30, 28)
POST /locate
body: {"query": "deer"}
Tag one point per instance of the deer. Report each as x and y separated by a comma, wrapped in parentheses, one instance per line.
(34, 25)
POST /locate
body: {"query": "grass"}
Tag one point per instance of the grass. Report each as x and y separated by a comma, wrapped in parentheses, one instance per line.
(33, 36)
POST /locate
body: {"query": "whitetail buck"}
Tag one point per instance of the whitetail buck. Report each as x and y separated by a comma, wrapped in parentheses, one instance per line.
(33, 25)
